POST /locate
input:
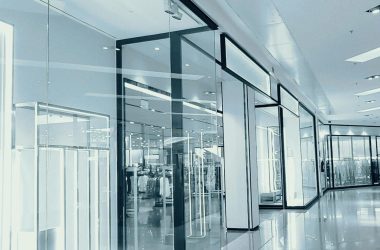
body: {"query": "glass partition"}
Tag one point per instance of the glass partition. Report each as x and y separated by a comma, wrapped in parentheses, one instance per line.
(269, 156)
(324, 156)
(308, 144)
(299, 142)
(351, 160)
(108, 126)
(292, 157)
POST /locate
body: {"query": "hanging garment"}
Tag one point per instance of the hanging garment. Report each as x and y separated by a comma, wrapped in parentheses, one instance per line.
(142, 183)
(164, 185)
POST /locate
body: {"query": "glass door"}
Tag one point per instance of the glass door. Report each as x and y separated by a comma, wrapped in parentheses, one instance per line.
(376, 170)
(269, 156)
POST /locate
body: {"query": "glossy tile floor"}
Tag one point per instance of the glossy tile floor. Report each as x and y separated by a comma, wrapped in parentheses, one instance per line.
(344, 219)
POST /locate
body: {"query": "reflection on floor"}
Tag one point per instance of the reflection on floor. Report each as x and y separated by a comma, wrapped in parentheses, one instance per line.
(344, 219)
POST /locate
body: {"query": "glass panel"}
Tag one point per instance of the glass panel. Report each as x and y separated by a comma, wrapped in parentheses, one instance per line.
(261, 99)
(309, 175)
(324, 155)
(92, 78)
(352, 161)
(268, 156)
(149, 171)
(241, 64)
(23, 78)
(202, 159)
(288, 101)
(293, 164)
(362, 159)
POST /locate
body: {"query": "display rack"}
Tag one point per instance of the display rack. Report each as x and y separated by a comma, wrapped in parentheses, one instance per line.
(61, 178)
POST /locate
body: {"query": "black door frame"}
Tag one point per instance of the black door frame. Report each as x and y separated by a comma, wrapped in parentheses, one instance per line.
(177, 123)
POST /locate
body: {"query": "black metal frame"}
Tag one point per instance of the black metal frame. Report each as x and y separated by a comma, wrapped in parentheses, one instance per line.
(300, 105)
(275, 206)
(315, 144)
(223, 38)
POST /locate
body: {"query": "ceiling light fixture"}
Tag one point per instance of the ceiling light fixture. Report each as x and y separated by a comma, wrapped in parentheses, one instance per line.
(370, 101)
(148, 91)
(187, 65)
(368, 110)
(366, 56)
(375, 10)
(157, 49)
(369, 92)
(372, 77)
(209, 93)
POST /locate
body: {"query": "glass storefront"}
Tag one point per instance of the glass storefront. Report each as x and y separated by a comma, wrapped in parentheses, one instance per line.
(308, 154)
(114, 142)
(299, 152)
(352, 160)
(269, 155)
(324, 156)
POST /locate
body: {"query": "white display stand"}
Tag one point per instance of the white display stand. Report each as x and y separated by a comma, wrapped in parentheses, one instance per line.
(61, 180)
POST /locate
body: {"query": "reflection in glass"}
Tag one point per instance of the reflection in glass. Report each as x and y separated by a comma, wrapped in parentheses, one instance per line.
(352, 160)
(152, 143)
(66, 183)
(268, 156)
(292, 156)
(324, 156)
(309, 177)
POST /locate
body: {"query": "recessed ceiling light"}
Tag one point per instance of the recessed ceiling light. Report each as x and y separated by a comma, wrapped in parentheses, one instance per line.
(209, 93)
(366, 56)
(374, 10)
(157, 49)
(132, 122)
(187, 65)
(369, 92)
(370, 101)
(372, 77)
(105, 47)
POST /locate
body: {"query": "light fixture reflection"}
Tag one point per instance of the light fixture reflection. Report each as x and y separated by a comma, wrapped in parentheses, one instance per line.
(168, 98)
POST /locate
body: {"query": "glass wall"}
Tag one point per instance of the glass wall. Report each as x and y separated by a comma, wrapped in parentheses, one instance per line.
(351, 160)
(324, 156)
(292, 157)
(269, 156)
(308, 145)
(299, 152)
(115, 126)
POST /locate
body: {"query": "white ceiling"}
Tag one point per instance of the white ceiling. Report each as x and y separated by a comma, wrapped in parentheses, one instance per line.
(123, 19)
(267, 25)
(321, 30)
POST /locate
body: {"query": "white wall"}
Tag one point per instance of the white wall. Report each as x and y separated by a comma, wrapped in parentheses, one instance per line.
(242, 211)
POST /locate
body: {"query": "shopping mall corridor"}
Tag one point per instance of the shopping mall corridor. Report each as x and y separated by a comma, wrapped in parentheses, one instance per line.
(342, 219)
